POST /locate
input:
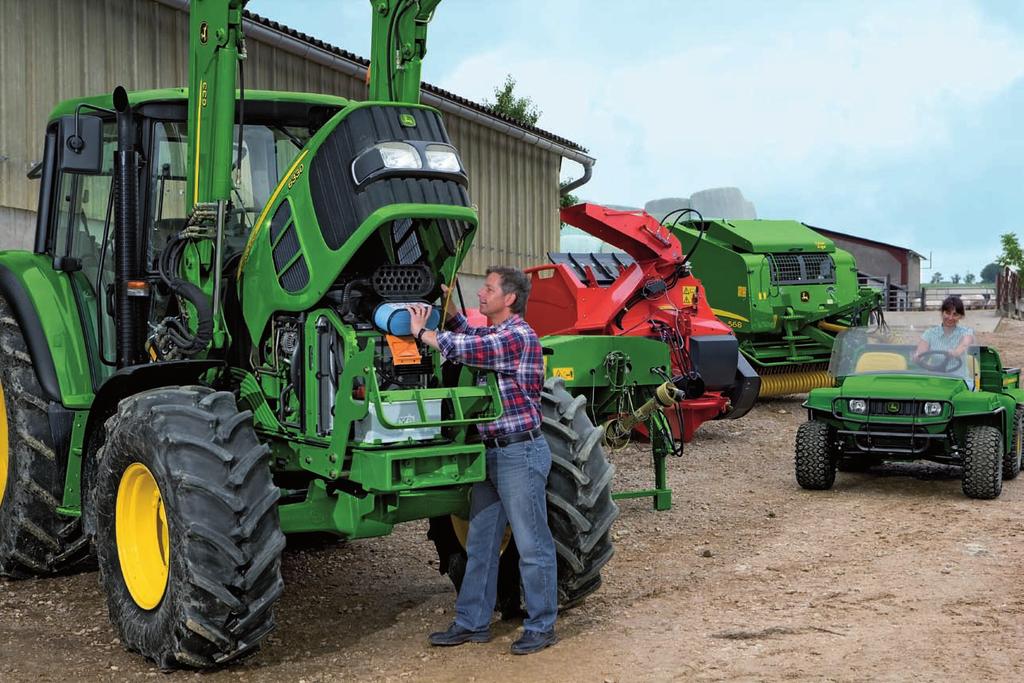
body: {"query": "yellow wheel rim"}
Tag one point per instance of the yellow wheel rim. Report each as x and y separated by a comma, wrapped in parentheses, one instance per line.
(4, 445)
(461, 527)
(143, 543)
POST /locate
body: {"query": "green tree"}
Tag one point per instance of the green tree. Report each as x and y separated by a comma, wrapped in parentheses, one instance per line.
(990, 272)
(567, 199)
(521, 109)
(936, 278)
(1012, 255)
(955, 279)
(970, 278)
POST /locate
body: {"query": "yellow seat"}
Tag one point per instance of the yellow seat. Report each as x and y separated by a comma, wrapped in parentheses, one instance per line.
(880, 361)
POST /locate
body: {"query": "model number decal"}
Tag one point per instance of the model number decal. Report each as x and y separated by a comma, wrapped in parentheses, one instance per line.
(295, 176)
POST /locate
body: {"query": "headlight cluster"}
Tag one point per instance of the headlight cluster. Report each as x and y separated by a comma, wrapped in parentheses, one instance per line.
(859, 406)
(399, 155)
(405, 156)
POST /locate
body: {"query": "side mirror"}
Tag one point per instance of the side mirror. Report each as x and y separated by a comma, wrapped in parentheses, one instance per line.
(80, 144)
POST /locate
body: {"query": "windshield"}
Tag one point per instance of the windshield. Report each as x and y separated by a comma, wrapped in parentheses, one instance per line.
(267, 152)
(905, 350)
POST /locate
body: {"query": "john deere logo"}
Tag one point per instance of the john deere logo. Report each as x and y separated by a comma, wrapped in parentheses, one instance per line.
(805, 296)
(892, 407)
(407, 120)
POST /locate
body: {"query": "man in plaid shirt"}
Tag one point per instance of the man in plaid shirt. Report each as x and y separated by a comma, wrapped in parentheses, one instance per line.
(518, 461)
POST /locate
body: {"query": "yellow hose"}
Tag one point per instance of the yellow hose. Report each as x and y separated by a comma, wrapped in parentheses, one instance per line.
(783, 384)
(832, 327)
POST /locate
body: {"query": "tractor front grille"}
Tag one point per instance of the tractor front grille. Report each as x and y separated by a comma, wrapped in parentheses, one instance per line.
(802, 269)
(895, 408)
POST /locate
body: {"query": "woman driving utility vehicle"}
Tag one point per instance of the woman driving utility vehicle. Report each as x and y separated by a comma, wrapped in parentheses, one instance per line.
(949, 338)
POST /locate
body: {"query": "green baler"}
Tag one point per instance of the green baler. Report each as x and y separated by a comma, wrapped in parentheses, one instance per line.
(785, 290)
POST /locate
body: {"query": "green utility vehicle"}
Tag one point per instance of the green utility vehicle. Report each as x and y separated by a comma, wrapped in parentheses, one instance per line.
(208, 349)
(784, 289)
(897, 399)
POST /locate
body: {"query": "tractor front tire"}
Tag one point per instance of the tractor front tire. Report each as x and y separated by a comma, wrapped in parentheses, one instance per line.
(815, 456)
(580, 506)
(983, 463)
(1012, 456)
(35, 539)
(187, 533)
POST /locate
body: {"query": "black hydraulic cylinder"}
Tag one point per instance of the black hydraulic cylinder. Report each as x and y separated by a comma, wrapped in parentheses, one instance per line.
(129, 311)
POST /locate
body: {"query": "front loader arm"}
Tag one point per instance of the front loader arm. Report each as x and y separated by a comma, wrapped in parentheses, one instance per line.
(397, 47)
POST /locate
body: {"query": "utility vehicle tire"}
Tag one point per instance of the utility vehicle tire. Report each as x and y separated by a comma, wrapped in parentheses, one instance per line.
(1012, 456)
(187, 533)
(35, 540)
(815, 456)
(983, 462)
(580, 508)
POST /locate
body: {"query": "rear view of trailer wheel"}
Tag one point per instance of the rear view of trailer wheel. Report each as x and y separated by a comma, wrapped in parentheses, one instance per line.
(188, 539)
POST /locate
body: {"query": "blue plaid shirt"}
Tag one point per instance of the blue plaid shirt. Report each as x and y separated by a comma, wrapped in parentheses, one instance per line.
(513, 351)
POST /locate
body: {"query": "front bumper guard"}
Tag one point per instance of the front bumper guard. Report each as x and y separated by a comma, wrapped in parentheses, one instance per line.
(870, 440)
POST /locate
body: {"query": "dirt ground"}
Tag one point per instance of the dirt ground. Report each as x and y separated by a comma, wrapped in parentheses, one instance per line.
(891, 575)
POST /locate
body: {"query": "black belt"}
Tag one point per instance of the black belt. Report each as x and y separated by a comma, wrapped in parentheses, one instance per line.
(509, 439)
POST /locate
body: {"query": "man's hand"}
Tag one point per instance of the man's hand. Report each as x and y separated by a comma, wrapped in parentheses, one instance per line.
(418, 315)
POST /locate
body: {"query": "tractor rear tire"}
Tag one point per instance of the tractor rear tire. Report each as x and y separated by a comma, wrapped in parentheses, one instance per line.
(1012, 456)
(35, 539)
(184, 494)
(983, 463)
(815, 456)
(580, 508)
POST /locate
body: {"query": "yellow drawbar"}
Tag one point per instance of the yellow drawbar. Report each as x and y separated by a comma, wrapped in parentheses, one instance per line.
(143, 542)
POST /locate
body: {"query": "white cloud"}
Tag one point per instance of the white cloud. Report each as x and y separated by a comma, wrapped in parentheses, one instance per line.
(783, 103)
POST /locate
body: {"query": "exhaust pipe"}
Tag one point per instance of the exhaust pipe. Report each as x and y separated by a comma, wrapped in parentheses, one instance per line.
(127, 288)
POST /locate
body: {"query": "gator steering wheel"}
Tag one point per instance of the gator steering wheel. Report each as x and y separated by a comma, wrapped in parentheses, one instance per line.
(942, 361)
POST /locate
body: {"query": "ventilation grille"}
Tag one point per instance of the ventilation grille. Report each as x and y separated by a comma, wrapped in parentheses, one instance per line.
(802, 269)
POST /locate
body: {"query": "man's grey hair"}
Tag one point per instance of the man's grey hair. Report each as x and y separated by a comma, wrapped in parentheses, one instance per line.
(513, 281)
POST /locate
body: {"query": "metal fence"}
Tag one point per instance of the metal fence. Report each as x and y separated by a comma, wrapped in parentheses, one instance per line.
(894, 297)
(974, 297)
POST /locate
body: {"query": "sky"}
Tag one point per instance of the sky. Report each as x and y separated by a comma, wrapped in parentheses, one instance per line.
(898, 121)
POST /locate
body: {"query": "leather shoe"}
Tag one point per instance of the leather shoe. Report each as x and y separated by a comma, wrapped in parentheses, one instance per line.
(533, 641)
(456, 635)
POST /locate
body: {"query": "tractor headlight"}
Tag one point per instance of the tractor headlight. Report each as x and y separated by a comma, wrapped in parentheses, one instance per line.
(442, 158)
(858, 405)
(933, 409)
(399, 155)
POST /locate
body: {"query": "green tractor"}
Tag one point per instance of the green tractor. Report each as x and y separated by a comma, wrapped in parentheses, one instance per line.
(207, 348)
(784, 289)
(897, 400)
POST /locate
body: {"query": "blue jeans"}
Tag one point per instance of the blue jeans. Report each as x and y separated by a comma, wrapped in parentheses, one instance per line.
(514, 491)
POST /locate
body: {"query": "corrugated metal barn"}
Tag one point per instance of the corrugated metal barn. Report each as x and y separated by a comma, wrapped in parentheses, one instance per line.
(51, 50)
